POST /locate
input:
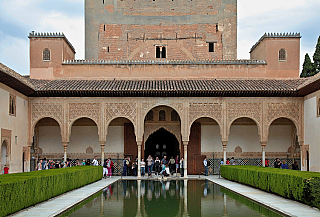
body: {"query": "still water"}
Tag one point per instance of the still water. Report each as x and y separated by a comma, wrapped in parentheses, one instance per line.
(167, 198)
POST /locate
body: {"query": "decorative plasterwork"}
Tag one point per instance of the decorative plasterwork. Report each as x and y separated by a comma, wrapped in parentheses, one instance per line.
(211, 110)
(126, 110)
(43, 110)
(175, 129)
(89, 110)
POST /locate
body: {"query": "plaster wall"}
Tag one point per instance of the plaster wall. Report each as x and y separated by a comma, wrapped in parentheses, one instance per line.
(83, 137)
(50, 139)
(210, 138)
(115, 140)
(245, 136)
(18, 125)
(280, 138)
(312, 129)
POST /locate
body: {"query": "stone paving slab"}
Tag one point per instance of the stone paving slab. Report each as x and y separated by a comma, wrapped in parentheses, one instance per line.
(284, 206)
(59, 204)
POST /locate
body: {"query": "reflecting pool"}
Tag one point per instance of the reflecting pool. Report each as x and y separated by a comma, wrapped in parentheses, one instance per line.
(167, 198)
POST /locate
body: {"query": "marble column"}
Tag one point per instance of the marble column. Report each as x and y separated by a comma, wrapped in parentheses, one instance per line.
(224, 144)
(29, 157)
(263, 145)
(102, 144)
(139, 143)
(185, 155)
(301, 156)
(65, 147)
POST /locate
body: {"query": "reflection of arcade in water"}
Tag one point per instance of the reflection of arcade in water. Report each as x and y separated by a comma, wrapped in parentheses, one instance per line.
(169, 198)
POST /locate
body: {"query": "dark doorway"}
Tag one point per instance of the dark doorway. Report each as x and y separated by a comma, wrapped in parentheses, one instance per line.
(162, 143)
(308, 169)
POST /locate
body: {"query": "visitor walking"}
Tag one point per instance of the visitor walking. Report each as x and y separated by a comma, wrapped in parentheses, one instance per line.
(205, 163)
(6, 169)
(177, 163)
(295, 166)
(172, 165)
(266, 162)
(124, 167)
(284, 165)
(95, 161)
(134, 168)
(157, 166)
(149, 164)
(44, 164)
(105, 169)
(83, 162)
(57, 165)
(143, 167)
(181, 167)
(88, 163)
(109, 168)
(232, 162)
(39, 167)
(277, 163)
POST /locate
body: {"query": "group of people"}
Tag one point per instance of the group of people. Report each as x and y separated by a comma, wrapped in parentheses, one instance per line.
(163, 167)
(284, 165)
(107, 168)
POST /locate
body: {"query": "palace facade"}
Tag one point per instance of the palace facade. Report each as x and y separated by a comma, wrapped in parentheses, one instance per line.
(161, 78)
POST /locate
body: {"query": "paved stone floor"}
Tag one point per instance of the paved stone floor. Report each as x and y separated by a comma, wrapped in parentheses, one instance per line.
(62, 203)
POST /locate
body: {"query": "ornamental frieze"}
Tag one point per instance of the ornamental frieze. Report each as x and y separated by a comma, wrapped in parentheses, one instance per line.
(213, 110)
(41, 110)
(291, 110)
(127, 110)
(90, 110)
(238, 110)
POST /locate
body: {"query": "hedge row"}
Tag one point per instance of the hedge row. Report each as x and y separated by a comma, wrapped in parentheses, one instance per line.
(296, 185)
(21, 190)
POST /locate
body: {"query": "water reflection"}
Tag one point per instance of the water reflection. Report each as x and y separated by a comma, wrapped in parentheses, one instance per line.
(169, 198)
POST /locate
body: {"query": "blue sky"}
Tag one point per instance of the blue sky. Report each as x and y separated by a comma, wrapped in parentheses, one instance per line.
(18, 18)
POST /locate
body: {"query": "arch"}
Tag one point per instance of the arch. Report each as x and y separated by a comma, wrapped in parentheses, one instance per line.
(174, 116)
(39, 119)
(289, 118)
(112, 119)
(149, 116)
(162, 115)
(205, 116)
(4, 153)
(46, 55)
(282, 54)
(172, 106)
(251, 118)
(156, 128)
(78, 118)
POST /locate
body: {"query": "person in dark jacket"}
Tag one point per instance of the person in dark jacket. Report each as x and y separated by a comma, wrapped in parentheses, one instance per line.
(105, 169)
(295, 166)
(277, 163)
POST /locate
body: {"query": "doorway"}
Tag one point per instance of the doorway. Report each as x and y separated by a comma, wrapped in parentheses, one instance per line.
(162, 143)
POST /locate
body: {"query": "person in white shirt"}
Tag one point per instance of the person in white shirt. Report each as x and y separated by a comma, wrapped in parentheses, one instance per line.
(205, 163)
(143, 167)
(95, 161)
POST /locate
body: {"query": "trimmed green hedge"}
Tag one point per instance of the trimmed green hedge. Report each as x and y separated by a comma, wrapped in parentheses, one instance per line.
(21, 190)
(296, 185)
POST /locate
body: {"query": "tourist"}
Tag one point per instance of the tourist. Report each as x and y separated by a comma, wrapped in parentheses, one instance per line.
(205, 163)
(181, 167)
(88, 163)
(164, 160)
(68, 162)
(105, 169)
(167, 170)
(277, 163)
(50, 164)
(44, 164)
(221, 162)
(57, 165)
(295, 166)
(228, 161)
(124, 167)
(77, 162)
(83, 162)
(266, 162)
(177, 163)
(39, 167)
(232, 162)
(110, 164)
(157, 165)
(284, 165)
(172, 165)
(149, 164)
(128, 162)
(6, 169)
(95, 161)
(143, 167)
(134, 168)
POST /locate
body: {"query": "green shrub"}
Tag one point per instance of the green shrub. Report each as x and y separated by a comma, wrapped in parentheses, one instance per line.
(21, 190)
(296, 185)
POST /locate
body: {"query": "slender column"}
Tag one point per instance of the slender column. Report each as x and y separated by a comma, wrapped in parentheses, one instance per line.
(139, 158)
(224, 144)
(263, 145)
(65, 147)
(102, 144)
(29, 157)
(301, 156)
(185, 161)
(139, 199)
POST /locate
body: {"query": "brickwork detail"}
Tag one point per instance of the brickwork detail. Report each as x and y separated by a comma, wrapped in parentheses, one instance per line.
(90, 110)
(213, 110)
(41, 110)
(128, 110)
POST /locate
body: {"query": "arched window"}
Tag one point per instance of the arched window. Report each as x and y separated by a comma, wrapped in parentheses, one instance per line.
(318, 107)
(150, 116)
(46, 55)
(162, 115)
(282, 55)
(174, 116)
(12, 105)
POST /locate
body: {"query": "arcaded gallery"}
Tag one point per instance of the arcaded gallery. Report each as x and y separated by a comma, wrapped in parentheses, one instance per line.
(164, 86)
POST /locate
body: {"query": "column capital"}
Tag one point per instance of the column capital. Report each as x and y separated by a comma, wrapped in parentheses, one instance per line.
(263, 144)
(185, 143)
(102, 143)
(139, 142)
(65, 144)
(29, 144)
(224, 143)
(301, 143)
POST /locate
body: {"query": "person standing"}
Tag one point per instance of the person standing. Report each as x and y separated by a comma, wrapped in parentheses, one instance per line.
(172, 165)
(277, 163)
(44, 164)
(177, 163)
(164, 160)
(181, 167)
(39, 167)
(105, 169)
(95, 161)
(205, 163)
(295, 166)
(124, 167)
(6, 169)
(284, 165)
(143, 167)
(157, 165)
(134, 168)
(232, 162)
(149, 164)
(109, 167)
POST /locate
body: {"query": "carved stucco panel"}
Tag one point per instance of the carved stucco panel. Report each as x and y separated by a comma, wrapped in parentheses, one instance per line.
(41, 110)
(127, 110)
(290, 110)
(238, 110)
(172, 128)
(197, 110)
(90, 110)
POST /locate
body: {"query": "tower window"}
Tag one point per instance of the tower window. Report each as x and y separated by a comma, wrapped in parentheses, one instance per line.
(108, 49)
(12, 105)
(161, 52)
(46, 55)
(211, 46)
(104, 27)
(282, 55)
(162, 115)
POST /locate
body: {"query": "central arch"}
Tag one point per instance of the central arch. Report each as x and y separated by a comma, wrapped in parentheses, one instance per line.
(161, 143)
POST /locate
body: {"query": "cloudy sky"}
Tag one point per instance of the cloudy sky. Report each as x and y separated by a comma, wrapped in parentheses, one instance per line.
(255, 17)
